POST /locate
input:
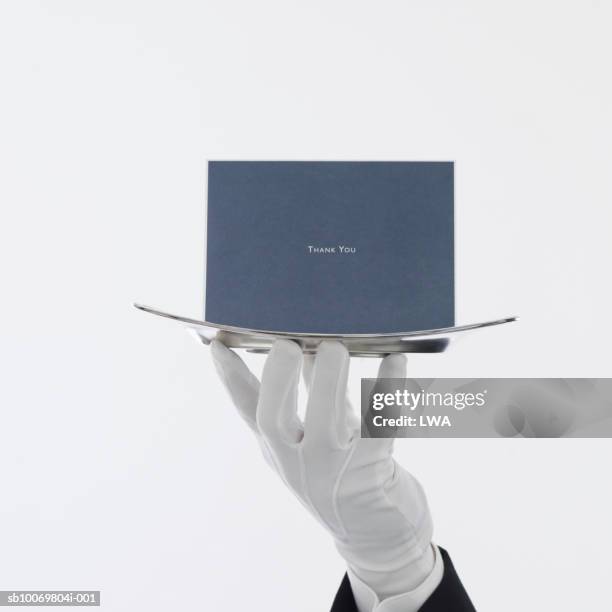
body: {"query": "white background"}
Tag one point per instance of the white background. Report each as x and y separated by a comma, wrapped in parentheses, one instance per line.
(122, 464)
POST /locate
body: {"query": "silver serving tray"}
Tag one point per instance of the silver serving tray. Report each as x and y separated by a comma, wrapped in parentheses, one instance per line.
(358, 345)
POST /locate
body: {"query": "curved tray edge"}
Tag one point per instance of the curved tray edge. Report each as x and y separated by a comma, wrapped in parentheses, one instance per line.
(260, 341)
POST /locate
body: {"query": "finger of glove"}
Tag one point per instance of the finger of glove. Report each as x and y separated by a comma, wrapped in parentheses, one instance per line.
(326, 411)
(392, 366)
(307, 372)
(240, 383)
(277, 418)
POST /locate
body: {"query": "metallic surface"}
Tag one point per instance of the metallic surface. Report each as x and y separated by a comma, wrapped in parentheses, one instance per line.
(358, 345)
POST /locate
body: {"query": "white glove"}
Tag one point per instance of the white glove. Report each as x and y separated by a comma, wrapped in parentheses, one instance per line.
(375, 510)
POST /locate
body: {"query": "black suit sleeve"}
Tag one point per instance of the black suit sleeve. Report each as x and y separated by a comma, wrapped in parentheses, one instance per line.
(450, 596)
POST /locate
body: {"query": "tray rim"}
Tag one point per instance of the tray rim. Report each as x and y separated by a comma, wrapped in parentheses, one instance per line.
(197, 323)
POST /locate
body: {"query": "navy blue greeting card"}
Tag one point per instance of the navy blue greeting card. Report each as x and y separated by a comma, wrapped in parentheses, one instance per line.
(330, 247)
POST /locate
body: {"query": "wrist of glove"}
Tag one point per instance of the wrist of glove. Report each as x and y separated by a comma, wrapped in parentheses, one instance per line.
(375, 510)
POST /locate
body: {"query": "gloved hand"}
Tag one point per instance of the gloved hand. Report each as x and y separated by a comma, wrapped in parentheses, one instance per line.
(375, 511)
